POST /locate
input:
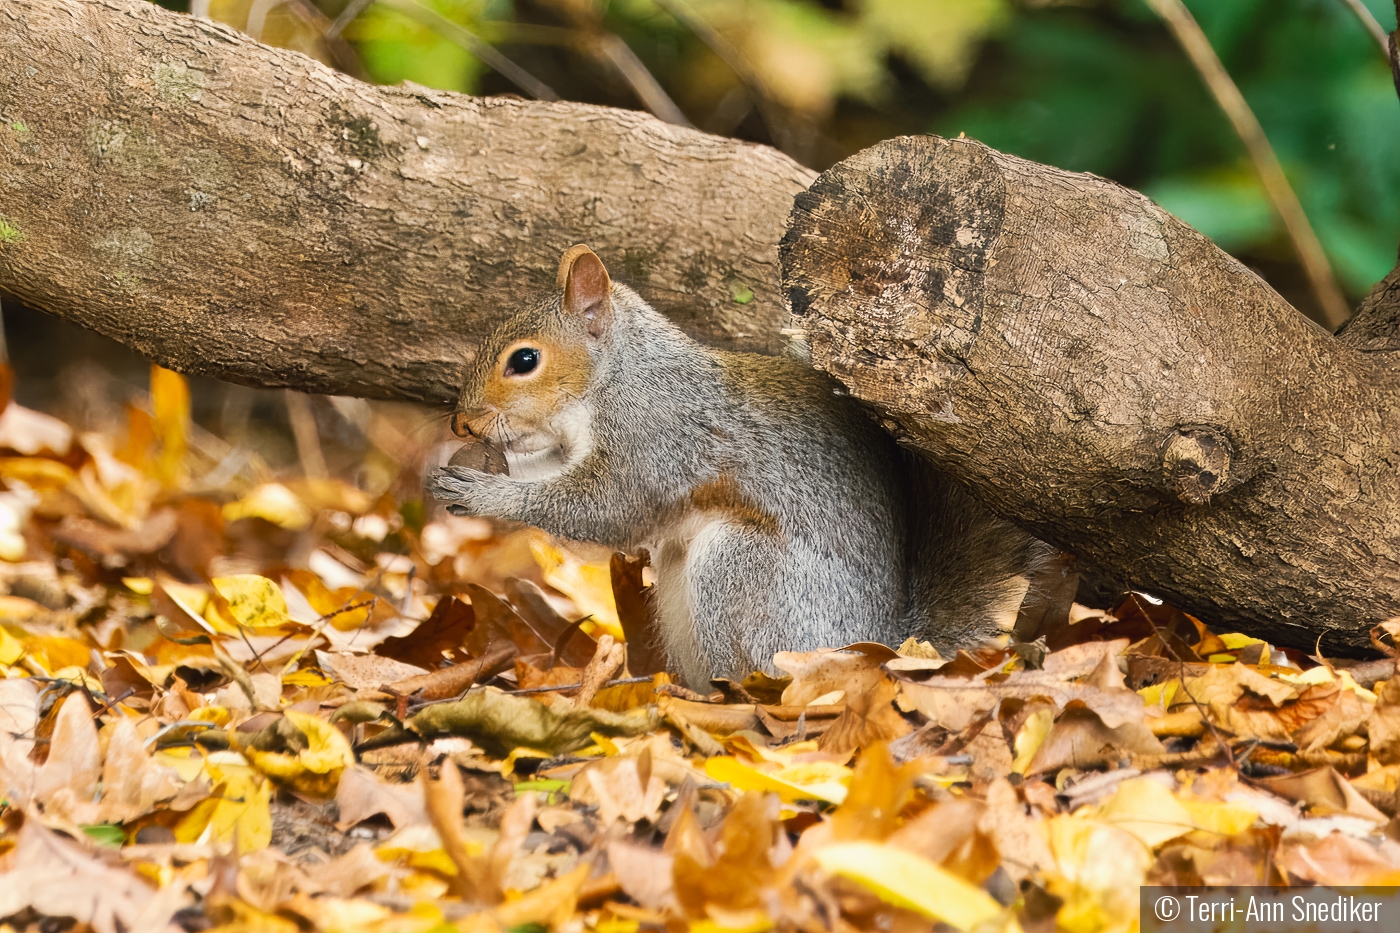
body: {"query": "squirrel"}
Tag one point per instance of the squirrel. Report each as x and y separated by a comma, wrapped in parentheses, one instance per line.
(779, 515)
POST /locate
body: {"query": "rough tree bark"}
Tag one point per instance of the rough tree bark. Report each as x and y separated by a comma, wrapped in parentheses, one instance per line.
(1102, 373)
(244, 212)
(1089, 366)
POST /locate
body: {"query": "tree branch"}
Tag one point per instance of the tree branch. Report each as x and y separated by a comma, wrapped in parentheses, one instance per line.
(243, 212)
(1104, 376)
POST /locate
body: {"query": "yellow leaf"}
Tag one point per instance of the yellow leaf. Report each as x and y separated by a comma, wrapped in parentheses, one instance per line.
(36, 472)
(54, 652)
(170, 402)
(272, 502)
(11, 650)
(315, 769)
(310, 677)
(1100, 869)
(1145, 809)
(339, 915)
(743, 777)
(253, 601)
(1030, 737)
(908, 880)
(588, 585)
(141, 586)
(1236, 640)
(239, 806)
(215, 714)
(1160, 695)
(749, 921)
(1227, 819)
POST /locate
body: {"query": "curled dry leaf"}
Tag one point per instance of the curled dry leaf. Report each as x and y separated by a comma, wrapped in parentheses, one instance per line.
(499, 723)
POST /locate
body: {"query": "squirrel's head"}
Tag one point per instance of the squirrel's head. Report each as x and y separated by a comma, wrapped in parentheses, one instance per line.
(524, 393)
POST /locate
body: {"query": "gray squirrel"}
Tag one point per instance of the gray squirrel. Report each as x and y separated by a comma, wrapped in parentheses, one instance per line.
(779, 515)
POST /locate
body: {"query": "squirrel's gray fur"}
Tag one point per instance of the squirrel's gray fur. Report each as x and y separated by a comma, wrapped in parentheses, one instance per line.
(779, 515)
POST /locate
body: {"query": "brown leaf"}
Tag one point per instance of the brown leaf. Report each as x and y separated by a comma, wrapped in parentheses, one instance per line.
(1080, 660)
(455, 680)
(369, 671)
(1081, 739)
(443, 798)
(644, 873)
(1324, 792)
(1241, 700)
(950, 834)
(870, 717)
(58, 878)
(439, 637)
(535, 608)
(818, 673)
(606, 662)
(622, 788)
(636, 610)
(357, 869)
(497, 622)
(1343, 716)
(1019, 839)
(954, 702)
(711, 717)
(109, 546)
(67, 782)
(361, 794)
(133, 784)
(1339, 859)
(732, 870)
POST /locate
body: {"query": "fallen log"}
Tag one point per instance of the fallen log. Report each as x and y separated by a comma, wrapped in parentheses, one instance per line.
(245, 212)
(1103, 375)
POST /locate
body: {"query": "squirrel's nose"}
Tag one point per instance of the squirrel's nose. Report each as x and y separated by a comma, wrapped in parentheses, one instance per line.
(467, 424)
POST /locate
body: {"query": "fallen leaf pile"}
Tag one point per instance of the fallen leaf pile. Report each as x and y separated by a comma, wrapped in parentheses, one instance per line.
(245, 701)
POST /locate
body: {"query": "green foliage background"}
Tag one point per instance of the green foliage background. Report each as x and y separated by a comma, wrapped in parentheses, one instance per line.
(1089, 85)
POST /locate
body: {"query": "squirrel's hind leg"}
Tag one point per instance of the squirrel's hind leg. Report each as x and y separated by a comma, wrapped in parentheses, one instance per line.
(714, 592)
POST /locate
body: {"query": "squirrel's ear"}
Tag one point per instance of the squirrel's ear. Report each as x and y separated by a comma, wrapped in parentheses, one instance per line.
(586, 287)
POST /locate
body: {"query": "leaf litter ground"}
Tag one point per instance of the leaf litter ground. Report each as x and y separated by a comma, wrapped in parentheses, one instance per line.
(241, 701)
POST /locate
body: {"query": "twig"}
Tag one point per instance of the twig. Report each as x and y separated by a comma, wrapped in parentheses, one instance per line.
(731, 56)
(464, 37)
(313, 461)
(352, 12)
(1183, 25)
(1373, 26)
(643, 83)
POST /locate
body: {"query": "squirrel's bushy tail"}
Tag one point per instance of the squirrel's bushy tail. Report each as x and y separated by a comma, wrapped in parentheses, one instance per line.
(974, 576)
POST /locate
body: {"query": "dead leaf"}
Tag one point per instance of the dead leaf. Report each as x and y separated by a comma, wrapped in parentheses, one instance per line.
(455, 680)
(817, 673)
(1324, 792)
(132, 782)
(1081, 739)
(58, 878)
(869, 718)
(361, 794)
(67, 782)
(636, 613)
(644, 873)
(441, 636)
(622, 789)
(499, 723)
(370, 671)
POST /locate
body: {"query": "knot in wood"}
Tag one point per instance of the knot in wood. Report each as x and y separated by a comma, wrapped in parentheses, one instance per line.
(1196, 463)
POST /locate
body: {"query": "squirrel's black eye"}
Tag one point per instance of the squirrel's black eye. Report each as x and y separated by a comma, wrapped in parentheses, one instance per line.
(522, 361)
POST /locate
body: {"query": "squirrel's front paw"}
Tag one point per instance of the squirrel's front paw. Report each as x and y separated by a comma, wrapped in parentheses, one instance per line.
(472, 492)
